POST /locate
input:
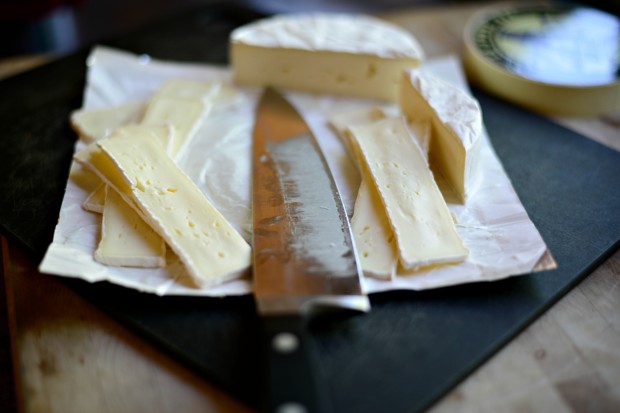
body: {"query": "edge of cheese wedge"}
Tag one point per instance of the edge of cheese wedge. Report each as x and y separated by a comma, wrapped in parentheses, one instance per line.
(456, 127)
(351, 55)
(418, 214)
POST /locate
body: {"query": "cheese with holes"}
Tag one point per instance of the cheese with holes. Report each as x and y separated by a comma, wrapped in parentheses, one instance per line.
(130, 242)
(373, 235)
(210, 248)
(142, 247)
(343, 54)
(374, 239)
(95, 124)
(421, 221)
(456, 127)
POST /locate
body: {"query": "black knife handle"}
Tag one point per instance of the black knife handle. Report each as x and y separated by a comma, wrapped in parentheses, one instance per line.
(293, 382)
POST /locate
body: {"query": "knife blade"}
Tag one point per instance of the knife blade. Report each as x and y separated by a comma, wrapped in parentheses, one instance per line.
(304, 258)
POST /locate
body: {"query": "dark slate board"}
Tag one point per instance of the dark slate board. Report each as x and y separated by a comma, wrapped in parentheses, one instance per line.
(414, 346)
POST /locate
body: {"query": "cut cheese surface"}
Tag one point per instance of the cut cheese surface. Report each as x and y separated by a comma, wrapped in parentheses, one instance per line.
(131, 242)
(421, 221)
(186, 89)
(96, 200)
(340, 122)
(352, 55)
(373, 235)
(211, 249)
(456, 127)
(120, 221)
(95, 124)
(181, 114)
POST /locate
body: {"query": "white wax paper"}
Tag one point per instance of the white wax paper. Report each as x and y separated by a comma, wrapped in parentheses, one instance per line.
(493, 224)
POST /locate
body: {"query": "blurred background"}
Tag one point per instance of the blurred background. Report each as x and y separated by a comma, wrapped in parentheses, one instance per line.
(63, 26)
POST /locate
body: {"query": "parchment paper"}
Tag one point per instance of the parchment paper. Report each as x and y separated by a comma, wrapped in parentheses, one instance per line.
(494, 225)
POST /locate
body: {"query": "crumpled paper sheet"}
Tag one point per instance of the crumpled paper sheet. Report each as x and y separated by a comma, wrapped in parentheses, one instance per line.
(494, 225)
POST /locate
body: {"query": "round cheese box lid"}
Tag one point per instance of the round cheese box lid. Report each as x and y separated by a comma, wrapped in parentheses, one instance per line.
(551, 58)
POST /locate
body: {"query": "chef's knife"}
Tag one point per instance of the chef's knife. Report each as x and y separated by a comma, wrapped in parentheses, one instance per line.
(304, 259)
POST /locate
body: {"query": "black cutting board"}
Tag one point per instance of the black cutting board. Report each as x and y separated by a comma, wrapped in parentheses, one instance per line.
(413, 346)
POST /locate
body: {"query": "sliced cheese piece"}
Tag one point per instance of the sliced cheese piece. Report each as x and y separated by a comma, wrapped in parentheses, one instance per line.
(456, 127)
(95, 124)
(182, 114)
(130, 242)
(422, 134)
(421, 221)
(373, 235)
(211, 249)
(351, 55)
(96, 200)
(137, 246)
(340, 121)
(187, 89)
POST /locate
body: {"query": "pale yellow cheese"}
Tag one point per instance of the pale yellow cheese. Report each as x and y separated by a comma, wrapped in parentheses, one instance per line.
(211, 249)
(421, 221)
(456, 127)
(96, 200)
(351, 55)
(130, 242)
(373, 235)
(182, 114)
(141, 247)
(340, 121)
(95, 124)
(187, 89)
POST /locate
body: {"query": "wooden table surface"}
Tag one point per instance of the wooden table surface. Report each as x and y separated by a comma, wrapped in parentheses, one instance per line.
(74, 358)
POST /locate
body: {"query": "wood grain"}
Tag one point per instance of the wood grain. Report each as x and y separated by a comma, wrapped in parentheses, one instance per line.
(73, 358)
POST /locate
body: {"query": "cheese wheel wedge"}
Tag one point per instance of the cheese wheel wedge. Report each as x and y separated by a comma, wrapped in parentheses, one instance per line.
(343, 54)
(456, 127)
(421, 221)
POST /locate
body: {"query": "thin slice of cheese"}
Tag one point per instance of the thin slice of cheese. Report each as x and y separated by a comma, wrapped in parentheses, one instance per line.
(95, 124)
(131, 242)
(140, 247)
(421, 221)
(211, 249)
(456, 127)
(96, 200)
(182, 114)
(340, 121)
(187, 89)
(373, 235)
(344, 54)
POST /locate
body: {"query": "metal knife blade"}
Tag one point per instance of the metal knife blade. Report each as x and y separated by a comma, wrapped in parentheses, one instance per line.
(304, 258)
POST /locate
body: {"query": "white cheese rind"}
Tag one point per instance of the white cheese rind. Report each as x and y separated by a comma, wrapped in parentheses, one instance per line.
(421, 221)
(130, 242)
(456, 127)
(211, 249)
(351, 55)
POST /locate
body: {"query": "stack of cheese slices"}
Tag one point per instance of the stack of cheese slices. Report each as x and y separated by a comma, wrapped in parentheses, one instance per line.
(400, 215)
